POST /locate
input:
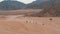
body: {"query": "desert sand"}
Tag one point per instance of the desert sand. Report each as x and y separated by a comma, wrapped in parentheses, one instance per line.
(16, 24)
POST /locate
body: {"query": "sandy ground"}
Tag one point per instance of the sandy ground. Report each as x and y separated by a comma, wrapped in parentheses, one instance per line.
(15, 24)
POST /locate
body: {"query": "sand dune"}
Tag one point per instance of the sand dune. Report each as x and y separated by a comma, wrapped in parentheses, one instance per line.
(15, 24)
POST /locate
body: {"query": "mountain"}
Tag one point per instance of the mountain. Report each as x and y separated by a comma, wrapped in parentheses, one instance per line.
(50, 9)
(36, 4)
(10, 5)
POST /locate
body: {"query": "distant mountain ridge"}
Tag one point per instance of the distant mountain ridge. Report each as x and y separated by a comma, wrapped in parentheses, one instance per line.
(10, 5)
(36, 4)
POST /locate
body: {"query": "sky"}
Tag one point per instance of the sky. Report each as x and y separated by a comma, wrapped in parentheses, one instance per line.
(24, 1)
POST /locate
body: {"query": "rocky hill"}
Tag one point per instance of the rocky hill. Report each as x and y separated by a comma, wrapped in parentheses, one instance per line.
(50, 9)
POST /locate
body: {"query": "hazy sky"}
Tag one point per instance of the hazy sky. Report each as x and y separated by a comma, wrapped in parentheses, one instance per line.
(24, 1)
